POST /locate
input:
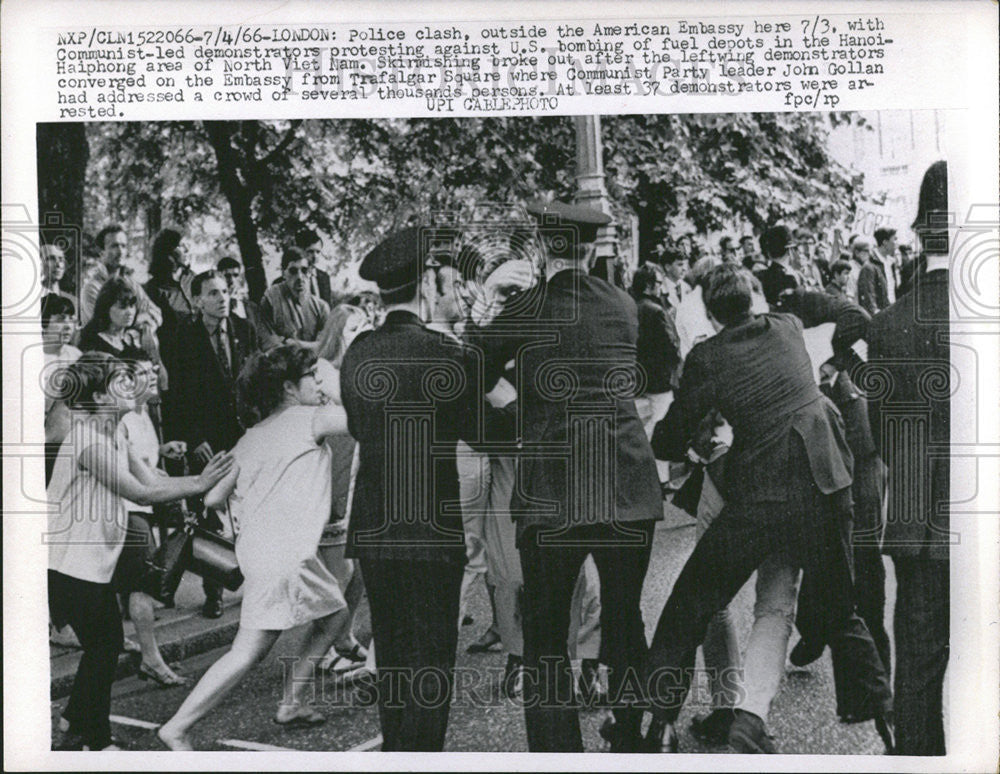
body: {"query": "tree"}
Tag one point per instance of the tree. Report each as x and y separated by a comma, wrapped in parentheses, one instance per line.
(62, 159)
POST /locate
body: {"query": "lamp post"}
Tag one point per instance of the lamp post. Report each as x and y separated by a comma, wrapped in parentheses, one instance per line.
(591, 191)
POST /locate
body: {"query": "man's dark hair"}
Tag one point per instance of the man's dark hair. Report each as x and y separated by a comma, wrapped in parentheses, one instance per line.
(200, 279)
(839, 267)
(112, 228)
(54, 305)
(670, 255)
(775, 241)
(227, 262)
(882, 234)
(305, 237)
(728, 293)
(291, 255)
(645, 278)
(726, 243)
(746, 237)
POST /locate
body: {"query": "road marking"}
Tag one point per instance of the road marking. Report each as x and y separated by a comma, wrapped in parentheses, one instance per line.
(256, 746)
(371, 744)
(123, 721)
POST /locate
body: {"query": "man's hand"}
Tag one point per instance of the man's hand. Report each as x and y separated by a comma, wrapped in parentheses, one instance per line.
(174, 450)
(203, 452)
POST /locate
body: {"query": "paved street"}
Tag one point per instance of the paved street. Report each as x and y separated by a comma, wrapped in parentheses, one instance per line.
(802, 720)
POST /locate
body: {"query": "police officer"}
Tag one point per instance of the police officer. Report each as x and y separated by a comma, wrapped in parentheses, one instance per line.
(411, 393)
(587, 480)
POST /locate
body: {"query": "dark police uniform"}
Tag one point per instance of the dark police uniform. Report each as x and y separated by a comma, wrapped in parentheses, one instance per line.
(586, 483)
(410, 394)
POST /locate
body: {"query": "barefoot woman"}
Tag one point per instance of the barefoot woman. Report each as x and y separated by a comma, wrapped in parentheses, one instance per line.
(279, 496)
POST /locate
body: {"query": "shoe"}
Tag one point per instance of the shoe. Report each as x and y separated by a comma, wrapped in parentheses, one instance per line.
(212, 608)
(588, 685)
(486, 642)
(805, 652)
(621, 740)
(358, 654)
(69, 742)
(887, 730)
(659, 737)
(167, 679)
(130, 646)
(713, 728)
(304, 718)
(64, 637)
(748, 734)
(512, 686)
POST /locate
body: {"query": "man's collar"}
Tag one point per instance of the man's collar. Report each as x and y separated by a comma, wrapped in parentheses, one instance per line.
(212, 325)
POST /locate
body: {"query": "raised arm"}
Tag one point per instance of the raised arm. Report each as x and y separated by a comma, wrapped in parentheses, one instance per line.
(328, 420)
(136, 482)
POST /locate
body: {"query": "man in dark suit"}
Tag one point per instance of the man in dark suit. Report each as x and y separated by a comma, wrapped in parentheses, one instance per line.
(851, 325)
(909, 382)
(211, 349)
(776, 278)
(787, 489)
(877, 280)
(587, 480)
(411, 393)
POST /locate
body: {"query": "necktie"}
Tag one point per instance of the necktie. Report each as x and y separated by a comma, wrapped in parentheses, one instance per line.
(222, 347)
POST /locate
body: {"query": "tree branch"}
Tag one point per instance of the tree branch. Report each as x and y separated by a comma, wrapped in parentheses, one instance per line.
(282, 145)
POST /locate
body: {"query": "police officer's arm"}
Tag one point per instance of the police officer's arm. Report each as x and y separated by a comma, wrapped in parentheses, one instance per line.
(674, 434)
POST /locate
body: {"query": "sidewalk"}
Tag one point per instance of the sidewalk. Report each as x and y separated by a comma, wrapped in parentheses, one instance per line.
(181, 632)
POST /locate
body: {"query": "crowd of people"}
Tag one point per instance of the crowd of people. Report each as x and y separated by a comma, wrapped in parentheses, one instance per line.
(521, 420)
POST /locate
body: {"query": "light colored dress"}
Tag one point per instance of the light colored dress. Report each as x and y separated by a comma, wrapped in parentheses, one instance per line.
(280, 504)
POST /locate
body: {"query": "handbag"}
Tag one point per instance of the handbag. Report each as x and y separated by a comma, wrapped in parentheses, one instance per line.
(165, 568)
(213, 557)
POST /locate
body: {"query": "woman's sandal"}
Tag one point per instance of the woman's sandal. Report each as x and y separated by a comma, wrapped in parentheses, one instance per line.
(168, 679)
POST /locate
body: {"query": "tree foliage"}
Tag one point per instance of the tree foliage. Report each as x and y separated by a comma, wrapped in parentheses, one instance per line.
(255, 182)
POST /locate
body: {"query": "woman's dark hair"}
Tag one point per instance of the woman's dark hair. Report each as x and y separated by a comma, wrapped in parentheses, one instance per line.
(90, 374)
(114, 290)
(161, 262)
(644, 279)
(728, 293)
(54, 305)
(261, 384)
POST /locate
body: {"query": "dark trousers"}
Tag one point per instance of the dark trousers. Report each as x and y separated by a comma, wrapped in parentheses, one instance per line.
(921, 625)
(808, 531)
(869, 584)
(92, 611)
(414, 609)
(621, 553)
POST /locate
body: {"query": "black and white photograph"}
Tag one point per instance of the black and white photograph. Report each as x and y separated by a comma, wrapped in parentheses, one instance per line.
(623, 433)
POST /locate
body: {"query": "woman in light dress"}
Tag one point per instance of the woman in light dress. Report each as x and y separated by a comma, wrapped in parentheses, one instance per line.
(279, 495)
(343, 325)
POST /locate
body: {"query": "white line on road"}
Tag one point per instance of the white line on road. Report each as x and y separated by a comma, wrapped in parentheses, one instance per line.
(256, 746)
(123, 721)
(371, 744)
